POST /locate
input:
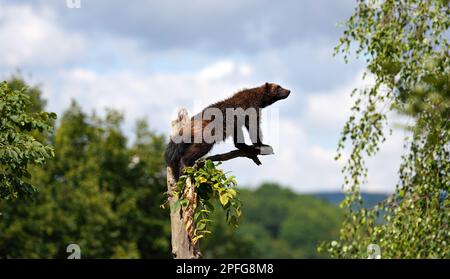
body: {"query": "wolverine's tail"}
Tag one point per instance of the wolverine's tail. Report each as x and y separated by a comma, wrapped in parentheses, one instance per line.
(174, 151)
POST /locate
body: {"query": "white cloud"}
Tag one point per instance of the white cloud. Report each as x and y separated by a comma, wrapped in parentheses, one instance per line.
(245, 70)
(83, 75)
(332, 107)
(218, 70)
(139, 93)
(222, 69)
(33, 37)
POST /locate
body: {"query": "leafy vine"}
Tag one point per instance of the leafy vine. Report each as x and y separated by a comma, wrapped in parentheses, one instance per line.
(210, 185)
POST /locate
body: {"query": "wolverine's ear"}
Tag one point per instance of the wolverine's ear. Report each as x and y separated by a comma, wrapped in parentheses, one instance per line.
(266, 86)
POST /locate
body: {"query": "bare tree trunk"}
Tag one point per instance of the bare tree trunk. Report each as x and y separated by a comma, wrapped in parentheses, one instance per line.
(182, 247)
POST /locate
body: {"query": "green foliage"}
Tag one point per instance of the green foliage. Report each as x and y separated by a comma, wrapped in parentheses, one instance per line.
(98, 192)
(19, 147)
(405, 44)
(211, 184)
(37, 103)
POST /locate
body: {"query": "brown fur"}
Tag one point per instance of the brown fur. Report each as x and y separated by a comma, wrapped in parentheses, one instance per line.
(259, 97)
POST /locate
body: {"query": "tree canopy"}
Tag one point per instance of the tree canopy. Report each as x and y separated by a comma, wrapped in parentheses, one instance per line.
(21, 146)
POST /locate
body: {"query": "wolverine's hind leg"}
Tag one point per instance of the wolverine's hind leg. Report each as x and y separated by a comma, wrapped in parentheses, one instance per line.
(194, 152)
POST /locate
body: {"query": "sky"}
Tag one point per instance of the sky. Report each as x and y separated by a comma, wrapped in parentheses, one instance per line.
(149, 58)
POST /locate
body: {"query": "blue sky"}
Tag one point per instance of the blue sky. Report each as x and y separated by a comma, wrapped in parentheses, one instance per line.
(148, 58)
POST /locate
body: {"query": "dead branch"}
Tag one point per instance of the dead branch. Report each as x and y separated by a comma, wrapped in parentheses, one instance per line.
(251, 154)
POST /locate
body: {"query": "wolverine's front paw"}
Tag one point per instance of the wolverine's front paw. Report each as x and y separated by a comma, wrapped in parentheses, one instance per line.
(264, 149)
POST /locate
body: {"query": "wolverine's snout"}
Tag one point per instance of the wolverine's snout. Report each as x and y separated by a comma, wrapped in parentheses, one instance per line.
(285, 93)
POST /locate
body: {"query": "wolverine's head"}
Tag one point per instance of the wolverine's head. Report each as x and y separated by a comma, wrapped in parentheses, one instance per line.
(273, 92)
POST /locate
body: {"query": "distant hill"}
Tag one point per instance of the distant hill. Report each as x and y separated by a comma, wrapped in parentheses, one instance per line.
(370, 199)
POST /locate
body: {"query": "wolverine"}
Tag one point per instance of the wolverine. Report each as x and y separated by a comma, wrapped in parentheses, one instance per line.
(194, 138)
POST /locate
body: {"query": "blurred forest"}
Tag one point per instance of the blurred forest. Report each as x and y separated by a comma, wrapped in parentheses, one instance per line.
(104, 193)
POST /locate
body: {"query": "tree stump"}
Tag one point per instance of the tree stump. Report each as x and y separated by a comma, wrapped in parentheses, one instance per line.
(182, 247)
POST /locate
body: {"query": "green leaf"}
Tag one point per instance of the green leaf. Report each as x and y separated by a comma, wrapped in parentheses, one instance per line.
(224, 199)
(201, 226)
(232, 192)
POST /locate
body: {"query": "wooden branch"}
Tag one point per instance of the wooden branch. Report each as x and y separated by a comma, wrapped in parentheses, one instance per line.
(251, 154)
